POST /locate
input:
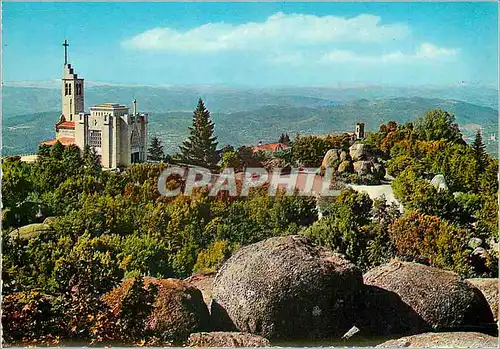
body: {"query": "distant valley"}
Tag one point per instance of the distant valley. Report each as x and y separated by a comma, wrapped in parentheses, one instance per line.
(245, 116)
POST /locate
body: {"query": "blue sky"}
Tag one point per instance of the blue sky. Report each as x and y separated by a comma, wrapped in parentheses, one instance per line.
(254, 44)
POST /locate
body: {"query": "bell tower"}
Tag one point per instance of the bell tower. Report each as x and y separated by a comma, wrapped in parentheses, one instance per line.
(72, 92)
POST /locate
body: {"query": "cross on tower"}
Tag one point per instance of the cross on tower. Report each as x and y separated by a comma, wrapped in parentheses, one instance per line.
(65, 44)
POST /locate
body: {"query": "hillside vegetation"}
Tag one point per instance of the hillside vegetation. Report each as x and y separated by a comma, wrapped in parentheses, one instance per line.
(23, 133)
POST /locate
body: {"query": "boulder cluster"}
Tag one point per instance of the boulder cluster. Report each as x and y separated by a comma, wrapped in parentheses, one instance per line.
(359, 161)
(287, 288)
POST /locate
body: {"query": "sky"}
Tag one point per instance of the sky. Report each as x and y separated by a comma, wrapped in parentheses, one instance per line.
(254, 44)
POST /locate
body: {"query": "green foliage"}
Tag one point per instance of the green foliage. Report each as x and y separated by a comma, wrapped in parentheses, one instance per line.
(210, 258)
(343, 226)
(230, 159)
(16, 182)
(436, 125)
(429, 238)
(82, 277)
(285, 139)
(155, 150)
(309, 150)
(199, 148)
(479, 151)
(134, 311)
(112, 225)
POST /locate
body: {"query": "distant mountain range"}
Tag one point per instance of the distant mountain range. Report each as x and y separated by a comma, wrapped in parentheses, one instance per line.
(245, 116)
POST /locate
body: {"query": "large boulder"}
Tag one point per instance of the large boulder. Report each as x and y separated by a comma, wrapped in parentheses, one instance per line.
(363, 168)
(443, 340)
(226, 340)
(30, 231)
(383, 313)
(344, 156)
(439, 182)
(360, 151)
(331, 159)
(178, 309)
(345, 166)
(204, 282)
(286, 287)
(489, 289)
(439, 297)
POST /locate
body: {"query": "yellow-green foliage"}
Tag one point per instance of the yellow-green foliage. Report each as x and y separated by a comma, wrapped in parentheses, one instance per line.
(211, 257)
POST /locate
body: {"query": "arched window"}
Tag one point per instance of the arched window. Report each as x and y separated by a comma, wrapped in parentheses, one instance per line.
(135, 139)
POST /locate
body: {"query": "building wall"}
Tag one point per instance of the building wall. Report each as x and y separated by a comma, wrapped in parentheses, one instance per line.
(65, 132)
(72, 94)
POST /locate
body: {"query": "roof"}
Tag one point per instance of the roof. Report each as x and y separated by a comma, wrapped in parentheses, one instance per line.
(63, 140)
(270, 147)
(65, 124)
(109, 106)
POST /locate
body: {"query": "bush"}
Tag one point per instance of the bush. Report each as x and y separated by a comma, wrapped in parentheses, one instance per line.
(429, 239)
(210, 258)
(30, 317)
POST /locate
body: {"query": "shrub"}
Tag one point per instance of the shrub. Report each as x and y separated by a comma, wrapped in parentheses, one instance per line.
(30, 317)
(431, 239)
(210, 258)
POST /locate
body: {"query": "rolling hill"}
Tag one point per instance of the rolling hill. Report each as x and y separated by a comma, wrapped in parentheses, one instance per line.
(22, 133)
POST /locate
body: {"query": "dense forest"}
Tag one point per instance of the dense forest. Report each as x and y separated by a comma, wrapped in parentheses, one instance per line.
(72, 231)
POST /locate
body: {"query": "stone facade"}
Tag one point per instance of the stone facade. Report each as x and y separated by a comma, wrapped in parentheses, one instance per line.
(118, 136)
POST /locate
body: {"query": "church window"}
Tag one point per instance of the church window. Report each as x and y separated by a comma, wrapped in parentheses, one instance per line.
(135, 140)
(65, 89)
(69, 89)
(95, 138)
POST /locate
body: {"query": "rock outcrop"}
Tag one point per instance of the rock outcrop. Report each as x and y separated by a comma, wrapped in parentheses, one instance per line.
(331, 159)
(443, 340)
(345, 166)
(226, 339)
(178, 309)
(205, 283)
(383, 313)
(489, 289)
(359, 152)
(362, 167)
(286, 287)
(439, 297)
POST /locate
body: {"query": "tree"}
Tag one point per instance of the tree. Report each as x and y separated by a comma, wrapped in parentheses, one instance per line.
(91, 161)
(200, 147)
(479, 152)
(438, 124)
(285, 139)
(309, 150)
(155, 151)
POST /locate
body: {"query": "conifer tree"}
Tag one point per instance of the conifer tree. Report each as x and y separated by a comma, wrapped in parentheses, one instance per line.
(285, 139)
(200, 147)
(155, 150)
(479, 151)
(91, 161)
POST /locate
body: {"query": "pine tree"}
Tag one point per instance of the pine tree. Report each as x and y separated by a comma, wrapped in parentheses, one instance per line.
(285, 139)
(479, 151)
(155, 151)
(200, 147)
(91, 161)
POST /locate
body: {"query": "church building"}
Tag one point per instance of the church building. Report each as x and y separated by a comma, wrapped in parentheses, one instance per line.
(118, 136)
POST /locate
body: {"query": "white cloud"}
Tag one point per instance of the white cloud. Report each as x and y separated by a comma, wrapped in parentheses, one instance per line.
(278, 31)
(426, 51)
